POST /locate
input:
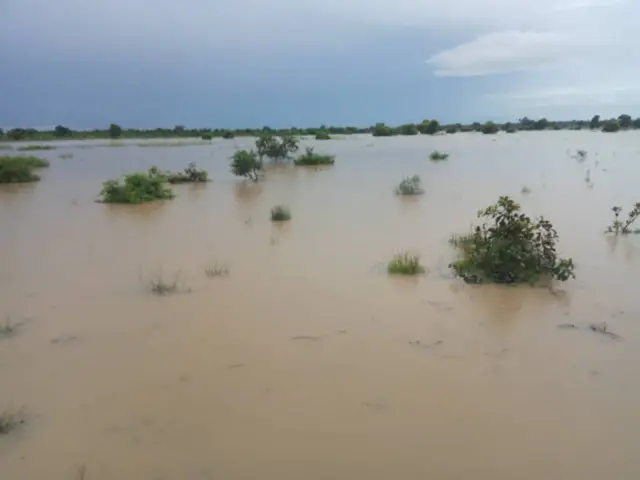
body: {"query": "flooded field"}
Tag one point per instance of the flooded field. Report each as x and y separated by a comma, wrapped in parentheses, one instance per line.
(307, 361)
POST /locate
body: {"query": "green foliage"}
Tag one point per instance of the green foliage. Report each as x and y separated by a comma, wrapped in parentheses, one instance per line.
(595, 122)
(311, 158)
(381, 130)
(228, 134)
(437, 156)
(405, 264)
(115, 131)
(160, 286)
(625, 121)
(511, 249)
(276, 148)
(322, 135)
(581, 155)
(280, 213)
(17, 133)
(137, 188)
(190, 175)
(29, 148)
(619, 227)
(511, 130)
(61, 131)
(216, 270)
(490, 128)
(611, 126)
(206, 136)
(410, 186)
(451, 129)
(408, 129)
(246, 164)
(429, 127)
(19, 169)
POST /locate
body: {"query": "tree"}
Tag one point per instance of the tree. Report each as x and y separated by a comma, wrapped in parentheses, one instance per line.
(490, 128)
(636, 123)
(276, 148)
(228, 134)
(61, 131)
(541, 124)
(1, 132)
(115, 131)
(381, 130)
(17, 133)
(625, 121)
(611, 126)
(408, 129)
(595, 122)
(246, 164)
(429, 127)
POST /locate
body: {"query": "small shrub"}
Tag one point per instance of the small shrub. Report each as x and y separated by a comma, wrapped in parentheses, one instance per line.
(18, 169)
(228, 135)
(216, 270)
(490, 128)
(619, 227)
(408, 129)
(405, 264)
(511, 130)
(276, 148)
(280, 213)
(451, 129)
(525, 190)
(382, 130)
(311, 158)
(437, 156)
(207, 136)
(10, 420)
(581, 155)
(410, 186)
(512, 249)
(137, 188)
(160, 286)
(323, 135)
(29, 148)
(246, 164)
(190, 175)
(611, 126)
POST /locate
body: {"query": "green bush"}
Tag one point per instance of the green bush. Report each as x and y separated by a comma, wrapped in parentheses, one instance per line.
(136, 188)
(190, 175)
(228, 134)
(207, 136)
(246, 164)
(510, 248)
(276, 148)
(619, 227)
(408, 129)
(382, 130)
(490, 128)
(323, 135)
(29, 148)
(19, 169)
(405, 264)
(429, 127)
(280, 213)
(311, 158)
(611, 126)
(437, 156)
(451, 129)
(410, 186)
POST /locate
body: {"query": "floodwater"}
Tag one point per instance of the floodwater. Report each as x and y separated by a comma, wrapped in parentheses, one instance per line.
(307, 360)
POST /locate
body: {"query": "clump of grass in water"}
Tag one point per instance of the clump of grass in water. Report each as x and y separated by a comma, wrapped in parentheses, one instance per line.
(323, 135)
(19, 169)
(190, 175)
(137, 188)
(437, 156)
(216, 270)
(280, 213)
(410, 186)
(581, 155)
(29, 148)
(10, 420)
(65, 156)
(175, 143)
(312, 158)
(7, 328)
(160, 286)
(619, 227)
(525, 190)
(509, 248)
(405, 264)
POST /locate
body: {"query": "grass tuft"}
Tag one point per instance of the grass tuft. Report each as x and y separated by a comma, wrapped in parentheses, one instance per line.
(437, 156)
(215, 270)
(410, 186)
(10, 420)
(280, 213)
(405, 264)
(312, 158)
(30, 148)
(161, 286)
(190, 175)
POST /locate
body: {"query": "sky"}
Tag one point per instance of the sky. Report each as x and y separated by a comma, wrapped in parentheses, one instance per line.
(283, 63)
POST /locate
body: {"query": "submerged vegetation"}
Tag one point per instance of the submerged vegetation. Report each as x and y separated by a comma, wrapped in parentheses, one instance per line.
(437, 156)
(620, 227)
(246, 163)
(509, 248)
(216, 270)
(10, 420)
(30, 148)
(410, 186)
(138, 187)
(405, 264)
(19, 169)
(276, 148)
(323, 135)
(280, 213)
(312, 158)
(190, 175)
(161, 286)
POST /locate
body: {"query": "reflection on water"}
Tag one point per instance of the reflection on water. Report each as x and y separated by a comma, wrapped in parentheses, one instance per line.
(308, 360)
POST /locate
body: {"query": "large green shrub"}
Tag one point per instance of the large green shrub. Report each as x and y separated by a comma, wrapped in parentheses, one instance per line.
(381, 130)
(246, 163)
(137, 187)
(408, 129)
(490, 128)
(19, 169)
(323, 135)
(611, 126)
(510, 248)
(276, 148)
(312, 158)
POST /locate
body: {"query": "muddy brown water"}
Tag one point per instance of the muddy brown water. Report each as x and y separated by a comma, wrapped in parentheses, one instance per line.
(307, 360)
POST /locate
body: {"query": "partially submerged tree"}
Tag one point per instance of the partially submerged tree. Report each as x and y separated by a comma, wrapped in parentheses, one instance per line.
(312, 158)
(408, 129)
(137, 187)
(190, 175)
(429, 127)
(276, 148)
(619, 227)
(19, 169)
(246, 163)
(410, 186)
(490, 128)
(381, 130)
(510, 248)
(115, 131)
(611, 126)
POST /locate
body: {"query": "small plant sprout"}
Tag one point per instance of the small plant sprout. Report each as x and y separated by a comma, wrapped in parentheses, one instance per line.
(437, 156)
(215, 270)
(410, 186)
(280, 213)
(405, 264)
(622, 227)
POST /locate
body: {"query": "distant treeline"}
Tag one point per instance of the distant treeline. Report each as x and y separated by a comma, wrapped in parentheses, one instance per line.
(429, 127)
